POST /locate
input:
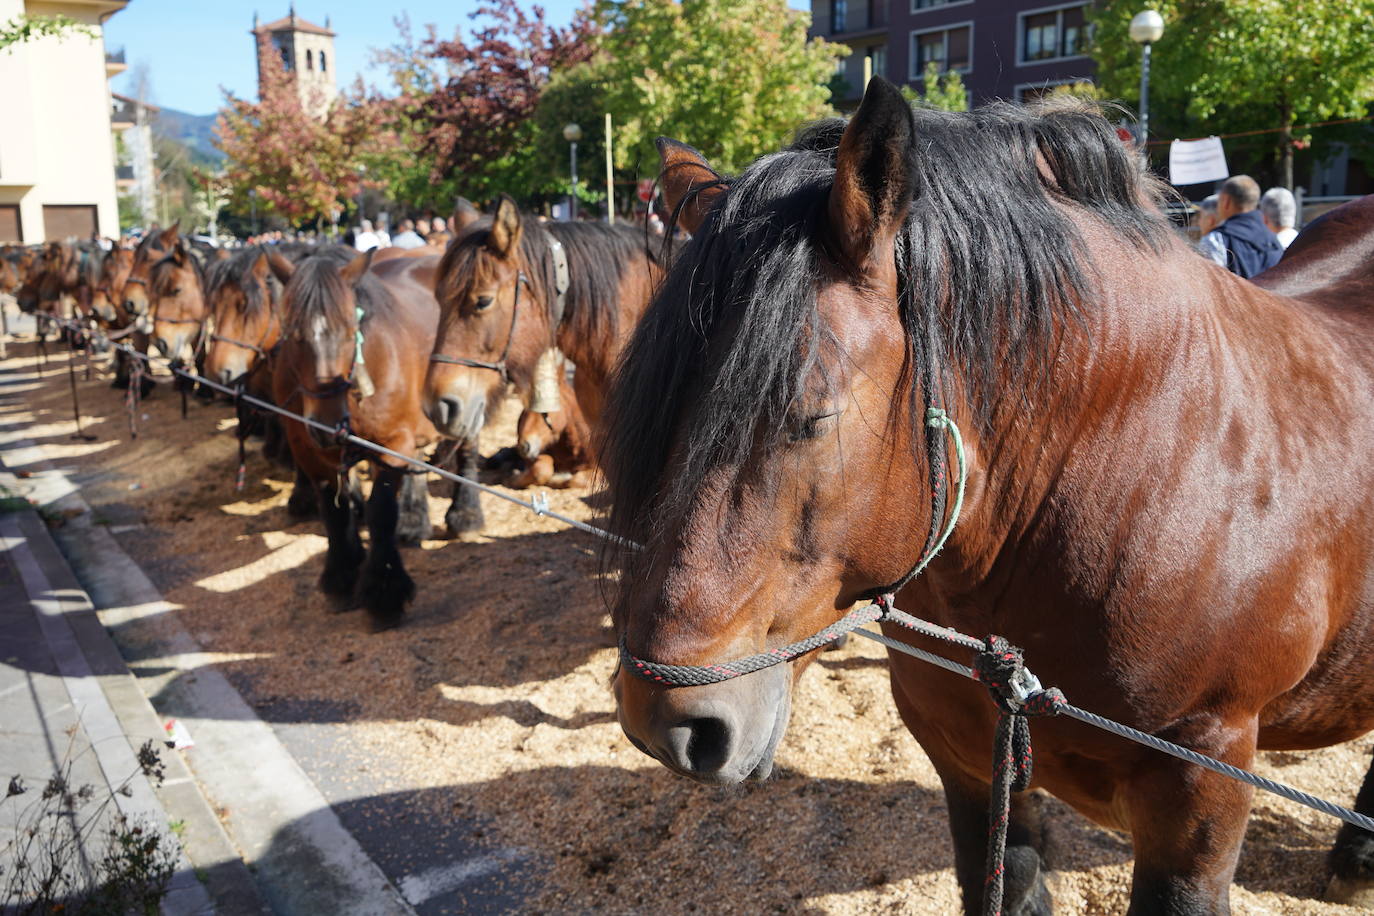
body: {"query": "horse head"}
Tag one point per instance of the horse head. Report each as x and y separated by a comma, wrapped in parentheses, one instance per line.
(243, 299)
(134, 294)
(758, 426)
(320, 337)
(177, 301)
(495, 317)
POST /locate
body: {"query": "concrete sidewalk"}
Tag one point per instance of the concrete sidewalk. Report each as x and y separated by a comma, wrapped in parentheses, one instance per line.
(69, 704)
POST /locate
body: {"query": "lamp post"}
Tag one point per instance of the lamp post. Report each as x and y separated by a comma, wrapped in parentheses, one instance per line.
(253, 206)
(1146, 28)
(572, 133)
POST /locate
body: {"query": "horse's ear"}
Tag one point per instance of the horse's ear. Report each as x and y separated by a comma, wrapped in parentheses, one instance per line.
(261, 266)
(874, 183)
(354, 271)
(505, 227)
(282, 269)
(465, 213)
(687, 182)
(169, 235)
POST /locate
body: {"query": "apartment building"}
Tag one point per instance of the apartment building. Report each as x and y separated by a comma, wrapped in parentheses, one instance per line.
(1003, 49)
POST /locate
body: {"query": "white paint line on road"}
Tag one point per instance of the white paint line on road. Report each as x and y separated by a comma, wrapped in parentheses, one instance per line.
(444, 879)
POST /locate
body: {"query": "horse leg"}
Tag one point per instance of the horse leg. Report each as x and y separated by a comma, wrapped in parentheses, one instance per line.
(121, 377)
(1187, 824)
(465, 511)
(304, 502)
(413, 525)
(345, 553)
(1352, 857)
(386, 588)
(1024, 892)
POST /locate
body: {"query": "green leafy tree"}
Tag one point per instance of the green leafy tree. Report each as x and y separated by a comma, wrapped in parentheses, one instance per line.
(942, 91)
(29, 28)
(734, 78)
(1227, 65)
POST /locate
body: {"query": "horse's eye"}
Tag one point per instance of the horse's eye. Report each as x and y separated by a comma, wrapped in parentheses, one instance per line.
(485, 302)
(801, 429)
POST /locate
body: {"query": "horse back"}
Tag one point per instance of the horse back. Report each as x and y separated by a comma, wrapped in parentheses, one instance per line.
(1331, 262)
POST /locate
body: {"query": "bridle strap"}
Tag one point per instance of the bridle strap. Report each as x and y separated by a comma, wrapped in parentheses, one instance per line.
(500, 365)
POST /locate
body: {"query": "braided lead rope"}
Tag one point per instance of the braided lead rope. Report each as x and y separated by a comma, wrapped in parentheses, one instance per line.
(1036, 701)
(139, 358)
(701, 675)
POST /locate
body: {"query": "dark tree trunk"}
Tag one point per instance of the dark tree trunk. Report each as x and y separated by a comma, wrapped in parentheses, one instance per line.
(1286, 145)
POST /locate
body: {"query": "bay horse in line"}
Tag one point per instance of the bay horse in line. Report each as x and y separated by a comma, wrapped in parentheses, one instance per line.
(1169, 476)
(325, 353)
(498, 292)
(244, 299)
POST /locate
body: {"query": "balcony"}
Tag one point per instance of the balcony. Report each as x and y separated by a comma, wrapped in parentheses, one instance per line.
(115, 63)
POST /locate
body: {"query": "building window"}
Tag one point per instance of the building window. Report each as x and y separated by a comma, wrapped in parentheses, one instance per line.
(284, 49)
(323, 68)
(932, 4)
(309, 61)
(838, 11)
(877, 56)
(948, 49)
(1052, 34)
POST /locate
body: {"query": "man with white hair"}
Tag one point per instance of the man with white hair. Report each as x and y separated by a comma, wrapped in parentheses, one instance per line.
(366, 239)
(1280, 213)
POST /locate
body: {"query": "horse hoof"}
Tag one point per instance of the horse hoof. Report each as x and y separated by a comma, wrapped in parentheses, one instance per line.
(463, 522)
(385, 595)
(413, 534)
(1358, 892)
(303, 504)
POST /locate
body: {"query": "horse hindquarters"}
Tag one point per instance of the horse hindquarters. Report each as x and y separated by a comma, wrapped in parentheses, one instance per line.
(386, 588)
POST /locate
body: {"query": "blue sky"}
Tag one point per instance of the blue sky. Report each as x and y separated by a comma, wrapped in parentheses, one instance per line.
(192, 48)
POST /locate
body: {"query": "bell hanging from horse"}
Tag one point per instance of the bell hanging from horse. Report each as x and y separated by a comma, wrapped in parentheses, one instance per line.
(548, 372)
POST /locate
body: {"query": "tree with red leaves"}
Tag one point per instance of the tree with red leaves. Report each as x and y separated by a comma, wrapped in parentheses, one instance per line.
(477, 124)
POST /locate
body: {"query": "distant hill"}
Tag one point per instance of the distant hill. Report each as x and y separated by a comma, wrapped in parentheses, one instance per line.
(196, 132)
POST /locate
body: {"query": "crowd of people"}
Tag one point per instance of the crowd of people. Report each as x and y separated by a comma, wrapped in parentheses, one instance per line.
(1244, 231)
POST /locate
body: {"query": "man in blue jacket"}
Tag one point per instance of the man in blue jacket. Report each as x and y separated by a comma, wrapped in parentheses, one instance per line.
(1242, 243)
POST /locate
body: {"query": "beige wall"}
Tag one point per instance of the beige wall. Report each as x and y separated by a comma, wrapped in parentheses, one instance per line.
(56, 146)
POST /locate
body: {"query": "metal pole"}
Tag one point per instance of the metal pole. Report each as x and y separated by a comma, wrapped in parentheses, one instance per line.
(572, 201)
(1144, 94)
(610, 187)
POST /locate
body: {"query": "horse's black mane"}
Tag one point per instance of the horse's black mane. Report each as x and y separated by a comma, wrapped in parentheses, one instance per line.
(989, 261)
(317, 289)
(598, 257)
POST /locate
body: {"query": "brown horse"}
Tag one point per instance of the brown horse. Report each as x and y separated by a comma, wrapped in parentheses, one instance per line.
(1169, 472)
(176, 289)
(354, 348)
(512, 289)
(244, 297)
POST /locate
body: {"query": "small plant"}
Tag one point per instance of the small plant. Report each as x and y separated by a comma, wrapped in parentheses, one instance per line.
(72, 851)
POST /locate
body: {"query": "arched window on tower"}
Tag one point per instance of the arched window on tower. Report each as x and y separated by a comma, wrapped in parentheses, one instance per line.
(284, 49)
(309, 61)
(323, 68)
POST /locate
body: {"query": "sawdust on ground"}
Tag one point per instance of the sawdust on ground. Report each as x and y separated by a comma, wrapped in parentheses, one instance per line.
(491, 704)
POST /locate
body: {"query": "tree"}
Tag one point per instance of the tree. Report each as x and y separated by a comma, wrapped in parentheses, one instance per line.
(734, 78)
(476, 128)
(943, 92)
(300, 167)
(1246, 64)
(24, 28)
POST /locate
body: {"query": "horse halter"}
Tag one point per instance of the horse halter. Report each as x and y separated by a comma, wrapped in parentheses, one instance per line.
(560, 271)
(937, 423)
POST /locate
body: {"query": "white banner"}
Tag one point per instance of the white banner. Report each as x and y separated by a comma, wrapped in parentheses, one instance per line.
(1197, 161)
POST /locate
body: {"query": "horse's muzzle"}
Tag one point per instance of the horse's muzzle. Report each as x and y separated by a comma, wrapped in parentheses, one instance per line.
(457, 418)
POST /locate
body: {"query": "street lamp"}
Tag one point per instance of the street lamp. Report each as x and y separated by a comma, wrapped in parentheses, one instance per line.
(253, 205)
(572, 133)
(1146, 28)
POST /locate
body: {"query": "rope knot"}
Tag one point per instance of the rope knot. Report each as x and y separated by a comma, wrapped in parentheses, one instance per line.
(1015, 690)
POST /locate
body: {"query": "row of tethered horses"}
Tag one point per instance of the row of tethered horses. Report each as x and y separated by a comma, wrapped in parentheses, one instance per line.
(406, 349)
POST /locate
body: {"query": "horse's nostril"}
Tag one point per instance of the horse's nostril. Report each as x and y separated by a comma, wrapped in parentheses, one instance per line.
(700, 745)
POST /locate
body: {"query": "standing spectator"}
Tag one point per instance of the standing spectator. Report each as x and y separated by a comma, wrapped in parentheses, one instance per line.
(383, 236)
(1242, 243)
(365, 239)
(408, 238)
(1280, 213)
(438, 232)
(1206, 216)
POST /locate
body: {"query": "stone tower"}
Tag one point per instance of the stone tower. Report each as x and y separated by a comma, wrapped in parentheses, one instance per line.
(307, 53)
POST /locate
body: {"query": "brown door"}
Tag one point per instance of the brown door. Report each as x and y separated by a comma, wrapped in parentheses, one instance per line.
(9, 224)
(68, 220)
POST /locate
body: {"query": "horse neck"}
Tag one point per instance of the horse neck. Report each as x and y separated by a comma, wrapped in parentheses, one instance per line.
(1162, 353)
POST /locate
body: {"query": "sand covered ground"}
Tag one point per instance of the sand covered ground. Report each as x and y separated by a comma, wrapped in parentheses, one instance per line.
(491, 705)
